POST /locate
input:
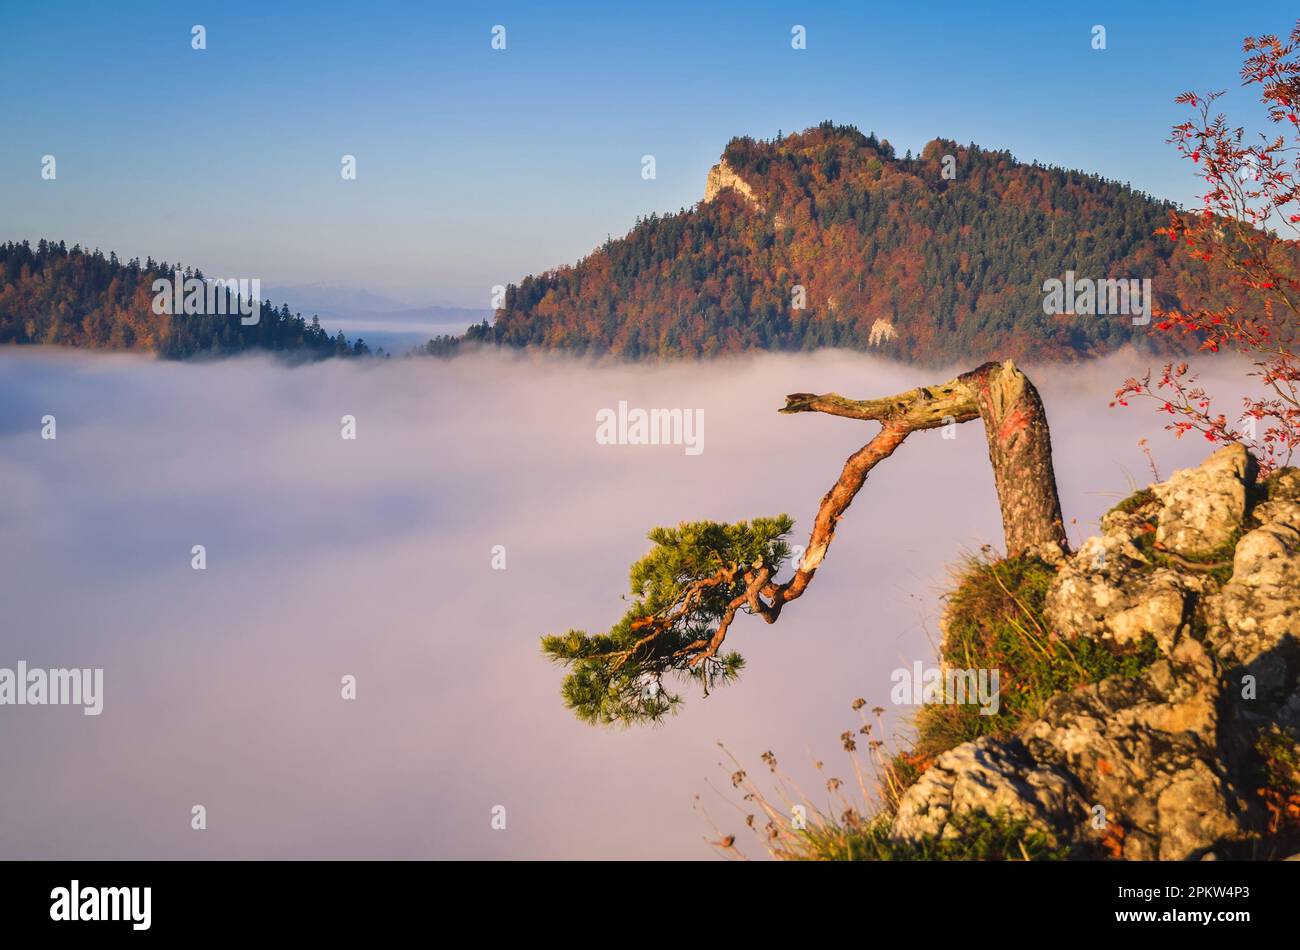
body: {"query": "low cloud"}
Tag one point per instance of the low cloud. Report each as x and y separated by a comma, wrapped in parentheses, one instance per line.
(373, 558)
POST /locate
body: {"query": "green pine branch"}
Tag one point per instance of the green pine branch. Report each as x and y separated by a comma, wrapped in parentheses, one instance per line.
(685, 592)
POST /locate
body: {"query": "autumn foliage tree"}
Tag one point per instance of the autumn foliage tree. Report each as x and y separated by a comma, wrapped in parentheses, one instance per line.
(1247, 229)
(59, 296)
(948, 249)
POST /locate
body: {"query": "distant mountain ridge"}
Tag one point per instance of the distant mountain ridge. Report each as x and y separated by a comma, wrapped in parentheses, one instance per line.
(931, 258)
(53, 294)
(816, 239)
(384, 321)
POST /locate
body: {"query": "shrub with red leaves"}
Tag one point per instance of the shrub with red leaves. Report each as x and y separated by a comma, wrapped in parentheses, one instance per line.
(1248, 226)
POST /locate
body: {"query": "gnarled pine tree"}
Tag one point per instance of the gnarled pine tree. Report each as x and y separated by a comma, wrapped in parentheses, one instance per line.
(699, 576)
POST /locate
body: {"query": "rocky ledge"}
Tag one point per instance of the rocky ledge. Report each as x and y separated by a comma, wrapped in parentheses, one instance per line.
(1195, 757)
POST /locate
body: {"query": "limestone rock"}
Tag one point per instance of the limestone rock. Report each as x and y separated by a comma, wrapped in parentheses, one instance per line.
(1261, 606)
(1163, 765)
(989, 777)
(723, 176)
(1283, 502)
(882, 331)
(1097, 594)
(1204, 507)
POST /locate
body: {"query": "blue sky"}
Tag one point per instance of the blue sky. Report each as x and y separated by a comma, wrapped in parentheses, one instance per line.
(477, 167)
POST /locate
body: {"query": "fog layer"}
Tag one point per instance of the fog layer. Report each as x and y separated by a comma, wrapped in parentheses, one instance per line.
(373, 558)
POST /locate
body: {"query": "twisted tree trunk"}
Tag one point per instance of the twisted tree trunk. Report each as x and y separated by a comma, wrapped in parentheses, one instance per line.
(1020, 450)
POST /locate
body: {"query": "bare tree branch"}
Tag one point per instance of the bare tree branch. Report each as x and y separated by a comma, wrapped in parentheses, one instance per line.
(1020, 450)
(690, 610)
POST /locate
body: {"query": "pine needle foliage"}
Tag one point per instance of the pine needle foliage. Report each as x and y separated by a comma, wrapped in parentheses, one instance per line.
(684, 592)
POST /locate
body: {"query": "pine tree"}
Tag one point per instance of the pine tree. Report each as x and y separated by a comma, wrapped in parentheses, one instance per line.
(700, 576)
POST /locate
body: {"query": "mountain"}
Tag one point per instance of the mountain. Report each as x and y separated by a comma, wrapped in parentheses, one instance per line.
(929, 259)
(821, 238)
(73, 297)
(385, 321)
(334, 299)
(398, 331)
(381, 321)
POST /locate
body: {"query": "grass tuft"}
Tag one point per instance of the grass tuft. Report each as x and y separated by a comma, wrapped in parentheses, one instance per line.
(995, 621)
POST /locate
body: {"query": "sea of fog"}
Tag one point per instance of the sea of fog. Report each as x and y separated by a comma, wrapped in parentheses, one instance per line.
(373, 558)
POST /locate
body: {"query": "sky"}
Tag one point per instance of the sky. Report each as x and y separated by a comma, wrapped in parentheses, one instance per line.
(476, 167)
(374, 558)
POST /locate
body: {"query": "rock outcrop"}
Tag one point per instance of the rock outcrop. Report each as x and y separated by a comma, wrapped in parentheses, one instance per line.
(1172, 763)
(882, 331)
(723, 176)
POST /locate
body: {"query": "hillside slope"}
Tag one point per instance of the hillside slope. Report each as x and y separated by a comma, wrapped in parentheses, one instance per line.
(891, 253)
(53, 294)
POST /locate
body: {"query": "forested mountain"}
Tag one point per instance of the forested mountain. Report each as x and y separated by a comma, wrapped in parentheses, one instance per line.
(53, 294)
(821, 238)
(931, 258)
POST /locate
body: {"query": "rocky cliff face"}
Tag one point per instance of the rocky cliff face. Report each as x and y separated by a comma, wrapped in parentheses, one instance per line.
(1196, 757)
(723, 176)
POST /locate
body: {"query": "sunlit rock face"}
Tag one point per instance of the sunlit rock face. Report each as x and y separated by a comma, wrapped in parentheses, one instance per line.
(1167, 764)
(723, 176)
